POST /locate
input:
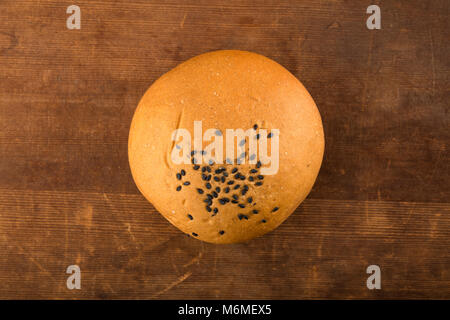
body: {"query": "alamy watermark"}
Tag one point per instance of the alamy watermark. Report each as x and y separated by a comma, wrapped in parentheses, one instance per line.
(257, 140)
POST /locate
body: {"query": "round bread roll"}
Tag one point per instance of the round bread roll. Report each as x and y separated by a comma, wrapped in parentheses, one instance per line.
(207, 191)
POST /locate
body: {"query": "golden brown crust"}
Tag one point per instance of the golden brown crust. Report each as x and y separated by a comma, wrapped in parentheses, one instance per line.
(226, 89)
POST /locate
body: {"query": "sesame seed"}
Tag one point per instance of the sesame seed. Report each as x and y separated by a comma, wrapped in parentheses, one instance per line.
(216, 178)
(253, 171)
(255, 126)
(249, 199)
(258, 164)
(208, 185)
(178, 188)
(222, 179)
(209, 196)
(235, 197)
(242, 216)
(221, 232)
(204, 169)
(242, 142)
(204, 177)
(211, 162)
(203, 152)
(196, 167)
(193, 153)
(242, 177)
(215, 210)
(257, 136)
(226, 190)
(260, 177)
(225, 174)
(236, 186)
(218, 132)
(186, 183)
(190, 217)
(194, 234)
(259, 183)
(208, 208)
(275, 209)
(215, 195)
(234, 170)
(218, 189)
(208, 178)
(263, 221)
(230, 182)
(253, 157)
(241, 205)
(234, 201)
(208, 201)
(270, 135)
(208, 168)
(250, 178)
(183, 173)
(237, 175)
(255, 211)
(178, 176)
(200, 190)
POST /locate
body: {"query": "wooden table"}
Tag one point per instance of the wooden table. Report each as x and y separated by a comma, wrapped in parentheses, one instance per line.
(67, 196)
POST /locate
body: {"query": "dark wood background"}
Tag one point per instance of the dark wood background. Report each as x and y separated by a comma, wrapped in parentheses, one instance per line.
(67, 195)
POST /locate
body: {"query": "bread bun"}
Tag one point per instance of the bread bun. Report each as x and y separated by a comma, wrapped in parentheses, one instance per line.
(247, 195)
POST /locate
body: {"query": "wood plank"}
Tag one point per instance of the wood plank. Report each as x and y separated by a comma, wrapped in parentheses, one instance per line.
(125, 249)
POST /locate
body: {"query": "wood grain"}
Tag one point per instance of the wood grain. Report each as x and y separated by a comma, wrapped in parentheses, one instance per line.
(67, 196)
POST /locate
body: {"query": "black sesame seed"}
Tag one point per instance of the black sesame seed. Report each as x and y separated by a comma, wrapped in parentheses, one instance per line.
(252, 157)
(258, 164)
(245, 188)
(208, 169)
(208, 185)
(226, 190)
(253, 171)
(215, 210)
(208, 208)
(234, 201)
(263, 221)
(242, 177)
(194, 161)
(225, 174)
(235, 197)
(204, 169)
(209, 196)
(217, 171)
(250, 178)
(230, 182)
(241, 205)
(204, 177)
(215, 195)
(221, 232)
(196, 167)
(208, 201)
(237, 175)
(186, 183)
(183, 173)
(178, 188)
(242, 142)
(218, 189)
(208, 178)
(203, 152)
(178, 176)
(242, 216)
(211, 162)
(216, 178)
(218, 132)
(221, 201)
(236, 186)
(260, 177)
(257, 136)
(200, 190)
(194, 234)
(259, 183)
(255, 211)
(270, 135)
(249, 199)
(255, 126)
(190, 217)
(222, 179)
(275, 209)
(193, 152)
(234, 170)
